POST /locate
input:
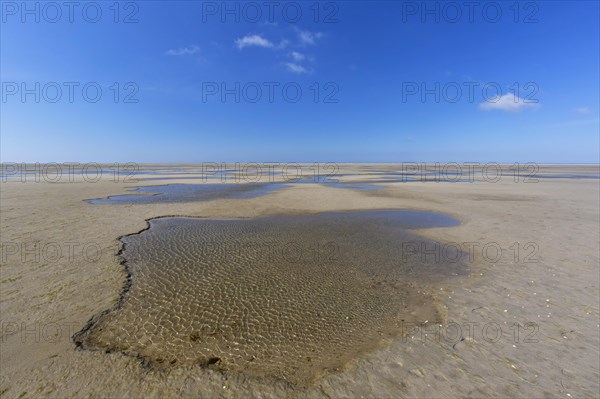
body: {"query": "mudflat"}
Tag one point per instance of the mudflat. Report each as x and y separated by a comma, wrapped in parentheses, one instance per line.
(523, 321)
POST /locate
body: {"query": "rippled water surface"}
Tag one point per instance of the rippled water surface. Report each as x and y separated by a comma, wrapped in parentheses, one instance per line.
(289, 297)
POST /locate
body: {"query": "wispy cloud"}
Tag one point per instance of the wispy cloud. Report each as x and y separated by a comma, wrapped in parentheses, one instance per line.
(295, 68)
(297, 56)
(183, 51)
(584, 110)
(253, 41)
(509, 103)
(308, 38)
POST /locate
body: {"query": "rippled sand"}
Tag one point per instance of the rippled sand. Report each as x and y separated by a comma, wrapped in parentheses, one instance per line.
(284, 296)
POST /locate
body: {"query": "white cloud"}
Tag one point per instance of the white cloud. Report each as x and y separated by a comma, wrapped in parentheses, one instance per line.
(253, 40)
(508, 102)
(295, 68)
(584, 110)
(183, 51)
(297, 56)
(308, 38)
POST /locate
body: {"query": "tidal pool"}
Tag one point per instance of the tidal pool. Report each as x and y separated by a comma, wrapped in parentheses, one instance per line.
(170, 193)
(289, 297)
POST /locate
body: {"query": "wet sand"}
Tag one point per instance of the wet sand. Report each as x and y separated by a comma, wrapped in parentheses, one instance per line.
(549, 280)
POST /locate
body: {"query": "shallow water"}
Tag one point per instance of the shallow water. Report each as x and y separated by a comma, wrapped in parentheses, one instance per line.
(289, 297)
(189, 192)
(564, 176)
(362, 186)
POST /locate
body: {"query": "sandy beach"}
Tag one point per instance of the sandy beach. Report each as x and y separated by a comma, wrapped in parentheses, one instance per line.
(523, 323)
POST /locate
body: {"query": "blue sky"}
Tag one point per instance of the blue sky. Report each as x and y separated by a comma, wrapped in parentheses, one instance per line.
(371, 60)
